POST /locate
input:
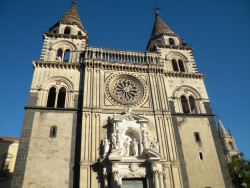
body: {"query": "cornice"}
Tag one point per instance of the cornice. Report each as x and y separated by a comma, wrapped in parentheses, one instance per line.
(185, 75)
(176, 47)
(118, 66)
(66, 36)
(56, 64)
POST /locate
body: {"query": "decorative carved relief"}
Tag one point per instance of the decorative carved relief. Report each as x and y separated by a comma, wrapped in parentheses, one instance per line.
(130, 138)
(133, 167)
(126, 89)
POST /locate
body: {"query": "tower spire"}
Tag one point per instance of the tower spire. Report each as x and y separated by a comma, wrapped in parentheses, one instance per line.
(222, 130)
(159, 26)
(72, 15)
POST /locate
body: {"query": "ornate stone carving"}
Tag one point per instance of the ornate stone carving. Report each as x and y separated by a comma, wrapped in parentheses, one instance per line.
(126, 89)
(106, 144)
(155, 145)
(126, 147)
(134, 148)
(130, 137)
(133, 167)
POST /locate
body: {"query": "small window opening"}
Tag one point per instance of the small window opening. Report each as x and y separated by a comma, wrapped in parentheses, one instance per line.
(192, 105)
(51, 97)
(175, 66)
(67, 31)
(181, 65)
(201, 155)
(158, 42)
(54, 31)
(231, 146)
(184, 103)
(61, 98)
(66, 56)
(79, 33)
(59, 54)
(171, 41)
(197, 137)
(53, 131)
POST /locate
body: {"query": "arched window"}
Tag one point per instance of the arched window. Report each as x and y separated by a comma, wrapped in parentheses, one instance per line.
(185, 106)
(79, 33)
(51, 97)
(175, 66)
(231, 146)
(66, 55)
(61, 98)
(59, 54)
(67, 30)
(181, 65)
(171, 41)
(192, 105)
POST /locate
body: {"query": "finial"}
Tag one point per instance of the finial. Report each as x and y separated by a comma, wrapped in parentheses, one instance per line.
(74, 2)
(218, 116)
(229, 131)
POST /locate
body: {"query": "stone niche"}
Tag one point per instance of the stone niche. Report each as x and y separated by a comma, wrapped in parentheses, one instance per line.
(129, 153)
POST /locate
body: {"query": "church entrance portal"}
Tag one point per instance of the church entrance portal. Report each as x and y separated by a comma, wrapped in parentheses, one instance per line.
(134, 183)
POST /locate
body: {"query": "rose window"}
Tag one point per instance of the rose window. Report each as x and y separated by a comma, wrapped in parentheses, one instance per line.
(126, 90)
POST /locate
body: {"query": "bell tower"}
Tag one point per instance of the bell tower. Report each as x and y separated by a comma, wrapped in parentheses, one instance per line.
(66, 39)
(196, 135)
(229, 145)
(52, 117)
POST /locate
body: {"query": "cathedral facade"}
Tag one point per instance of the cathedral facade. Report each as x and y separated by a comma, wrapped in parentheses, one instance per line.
(99, 117)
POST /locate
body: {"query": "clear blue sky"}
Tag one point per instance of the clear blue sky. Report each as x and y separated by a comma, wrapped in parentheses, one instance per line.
(219, 31)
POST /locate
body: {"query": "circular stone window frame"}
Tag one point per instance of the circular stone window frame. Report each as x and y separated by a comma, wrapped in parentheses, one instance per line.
(110, 93)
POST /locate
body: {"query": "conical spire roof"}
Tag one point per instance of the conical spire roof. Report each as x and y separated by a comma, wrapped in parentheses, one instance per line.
(222, 129)
(72, 16)
(160, 26)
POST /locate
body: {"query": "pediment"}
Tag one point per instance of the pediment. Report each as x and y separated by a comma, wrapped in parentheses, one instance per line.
(129, 116)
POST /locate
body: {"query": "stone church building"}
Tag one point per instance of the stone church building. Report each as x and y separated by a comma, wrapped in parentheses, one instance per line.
(109, 118)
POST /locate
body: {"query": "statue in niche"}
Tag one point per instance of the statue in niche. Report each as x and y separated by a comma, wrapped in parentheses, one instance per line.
(113, 140)
(135, 147)
(126, 147)
(155, 145)
(106, 144)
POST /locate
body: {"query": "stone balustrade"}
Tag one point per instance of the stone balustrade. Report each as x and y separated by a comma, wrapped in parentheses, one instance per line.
(120, 56)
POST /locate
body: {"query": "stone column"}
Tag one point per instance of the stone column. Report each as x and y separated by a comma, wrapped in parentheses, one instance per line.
(156, 179)
(161, 179)
(105, 178)
(115, 179)
(120, 182)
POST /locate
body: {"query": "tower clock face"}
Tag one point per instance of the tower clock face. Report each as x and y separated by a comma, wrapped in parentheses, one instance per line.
(126, 90)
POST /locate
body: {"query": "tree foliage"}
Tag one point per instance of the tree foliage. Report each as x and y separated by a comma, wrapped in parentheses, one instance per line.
(239, 170)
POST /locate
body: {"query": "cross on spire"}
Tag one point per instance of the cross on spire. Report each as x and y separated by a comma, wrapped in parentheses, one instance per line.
(156, 8)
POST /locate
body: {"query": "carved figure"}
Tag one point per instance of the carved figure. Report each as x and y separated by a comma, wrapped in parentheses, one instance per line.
(135, 147)
(118, 136)
(145, 140)
(106, 144)
(155, 145)
(126, 147)
(113, 141)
